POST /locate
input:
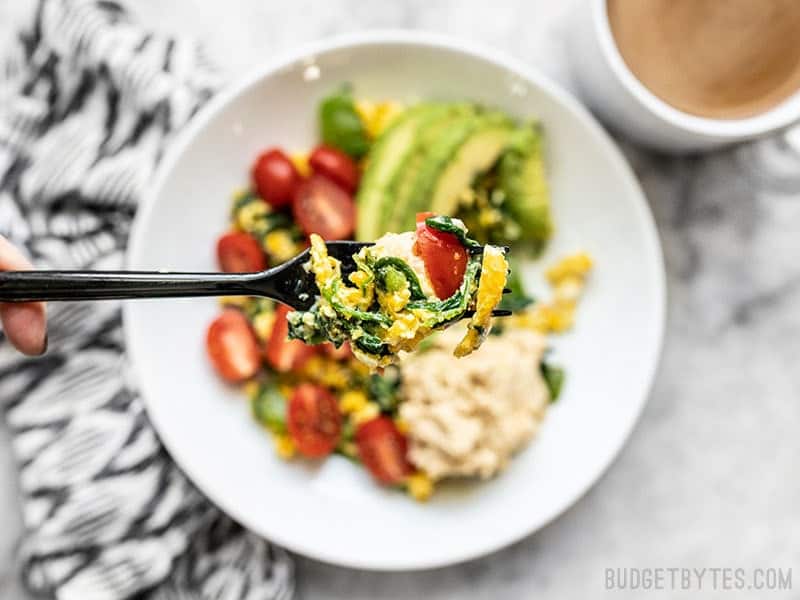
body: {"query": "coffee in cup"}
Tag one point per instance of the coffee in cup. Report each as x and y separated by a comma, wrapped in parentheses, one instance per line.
(720, 59)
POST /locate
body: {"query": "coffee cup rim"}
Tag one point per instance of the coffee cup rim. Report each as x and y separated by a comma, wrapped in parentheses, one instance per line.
(777, 117)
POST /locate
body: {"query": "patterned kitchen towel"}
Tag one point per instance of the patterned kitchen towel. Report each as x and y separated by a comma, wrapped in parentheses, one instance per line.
(88, 101)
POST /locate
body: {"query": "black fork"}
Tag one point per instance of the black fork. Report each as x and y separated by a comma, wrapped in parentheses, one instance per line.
(288, 283)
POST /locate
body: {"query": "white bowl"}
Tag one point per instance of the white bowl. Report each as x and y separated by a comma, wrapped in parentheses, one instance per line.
(334, 512)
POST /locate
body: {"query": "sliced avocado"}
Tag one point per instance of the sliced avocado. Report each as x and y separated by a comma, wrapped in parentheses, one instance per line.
(468, 146)
(475, 156)
(406, 183)
(389, 152)
(521, 177)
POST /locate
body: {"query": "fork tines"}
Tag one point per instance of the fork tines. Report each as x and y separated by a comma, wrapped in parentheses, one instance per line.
(475, 250)
(495, 313)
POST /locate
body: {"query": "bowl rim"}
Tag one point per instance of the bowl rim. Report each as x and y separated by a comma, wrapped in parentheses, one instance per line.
(472, 50)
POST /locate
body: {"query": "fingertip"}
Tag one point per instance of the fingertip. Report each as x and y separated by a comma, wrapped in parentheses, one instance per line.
(25, 325)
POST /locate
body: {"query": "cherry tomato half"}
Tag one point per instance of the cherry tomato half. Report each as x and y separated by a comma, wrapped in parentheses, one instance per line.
(444, 257)
(232, 346)
(382, 449)
(313, 420)
(282, 353)
(336, 166)
(320, 206)
(239, 252)
(275, 177)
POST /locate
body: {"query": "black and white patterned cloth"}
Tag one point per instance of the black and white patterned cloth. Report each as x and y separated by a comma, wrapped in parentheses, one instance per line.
(88, 102)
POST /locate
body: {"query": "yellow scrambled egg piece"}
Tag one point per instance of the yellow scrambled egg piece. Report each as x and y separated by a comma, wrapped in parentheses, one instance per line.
(328, 275)
(575, 265)
(326, 371)
(394, 302)
(420, 486)
(352, 401)
(567, 278)
(300, 162)
(262, 324)
(494, 272)
(280, 246)
(247, 216)
(284, 446)
(376, 116)
(366, 413)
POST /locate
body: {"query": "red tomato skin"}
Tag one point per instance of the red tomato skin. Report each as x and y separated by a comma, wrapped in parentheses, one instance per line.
(444, 257)
(232, 346)
(239, 252)
(283, 354)
(313, 420)
(275, 177)
(421, 216)
(382, 449)
(336, 166)
(320, 206)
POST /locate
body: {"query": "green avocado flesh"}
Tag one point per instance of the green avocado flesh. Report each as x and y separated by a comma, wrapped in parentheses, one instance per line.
(406, 191)
(522, 178)
(386, 159)
(465, 146)
(434, 153)
(479, 151)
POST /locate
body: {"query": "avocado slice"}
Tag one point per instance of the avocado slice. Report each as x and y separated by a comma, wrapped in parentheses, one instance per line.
(521, 176)
(387, 156)
(475, 156)
(406, 184)
(447, 170)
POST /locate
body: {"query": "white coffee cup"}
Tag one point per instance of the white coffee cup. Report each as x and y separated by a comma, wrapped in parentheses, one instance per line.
(624, 103)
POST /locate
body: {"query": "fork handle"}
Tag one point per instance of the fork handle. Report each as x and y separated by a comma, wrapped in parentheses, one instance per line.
(27, 286)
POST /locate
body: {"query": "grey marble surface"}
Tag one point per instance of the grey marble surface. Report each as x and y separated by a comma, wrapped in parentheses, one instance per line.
(709, 476)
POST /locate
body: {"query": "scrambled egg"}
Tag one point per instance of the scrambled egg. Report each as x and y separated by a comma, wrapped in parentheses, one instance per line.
(248, 216)
(384, 312)
(328, 275)
(401, 245)
(567, 277)
(300, 162)
(280, 245)
(494, 272)
(376, 116)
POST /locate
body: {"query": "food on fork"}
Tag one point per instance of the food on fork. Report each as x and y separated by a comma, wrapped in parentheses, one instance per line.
(405, 286)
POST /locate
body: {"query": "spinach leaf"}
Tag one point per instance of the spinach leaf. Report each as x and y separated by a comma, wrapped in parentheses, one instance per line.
(346, 446)
(384, 389)
(340, 124)
(243, 200)
(267, 222)
(388, 268)
(449, 225)
(371, 344)
(452, 307)
(330, 294)
(314, 327)
(269, 408)
(256, 305)
(554, 378)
